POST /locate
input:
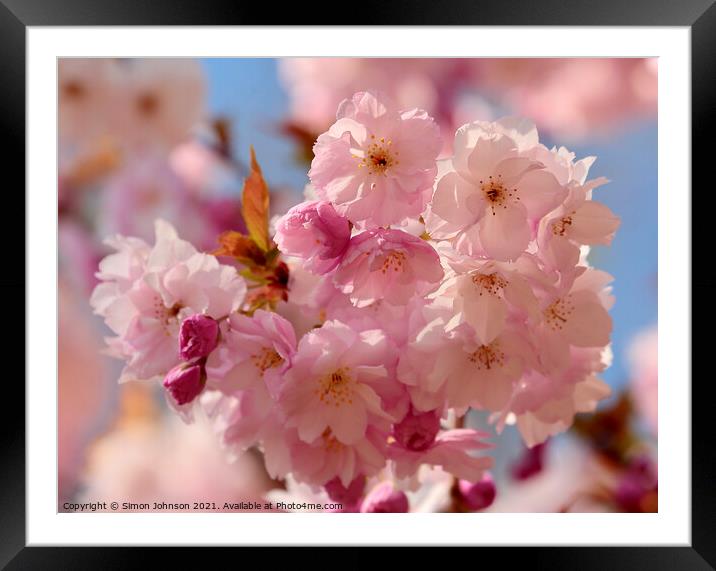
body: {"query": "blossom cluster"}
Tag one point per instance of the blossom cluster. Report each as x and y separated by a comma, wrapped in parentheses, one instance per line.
(405, 290)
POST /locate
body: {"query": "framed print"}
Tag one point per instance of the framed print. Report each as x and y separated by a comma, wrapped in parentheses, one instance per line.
(427, 264)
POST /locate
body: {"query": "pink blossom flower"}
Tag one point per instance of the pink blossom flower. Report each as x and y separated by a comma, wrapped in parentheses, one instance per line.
(255, 351)
(384, 498)
(543, 393)
(478, 495)
(312, 299)
(557, 415)
(575, 316)
(314, 232)
(452, 450)
(333, 380)
(579, 221)
(390, 265)
(198, 336)
(462, 372)
(494, 193)
(380, 314)
(485, 294)
(562, 163)
(327, 457)
(118, 272)
(176, 282)
(243, 419)
(376, 165)
(417, 431)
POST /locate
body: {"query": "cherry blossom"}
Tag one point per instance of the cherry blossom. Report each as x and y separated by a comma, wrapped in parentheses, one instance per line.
(485, 294)
(390, 265)
(333, 382)
(175, 282)
(401, 294)
(494, 191)
(452, 450)
(327, 457)
(461, 371)
(314, 232)
(254, 351)
(376, 164)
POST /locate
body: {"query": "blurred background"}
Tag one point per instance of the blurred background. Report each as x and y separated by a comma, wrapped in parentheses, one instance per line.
(141, 139)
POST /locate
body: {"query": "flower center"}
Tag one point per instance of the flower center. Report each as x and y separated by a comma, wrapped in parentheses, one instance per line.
(487, 357)
(266, 359)
(489, 283)
(558, 313)
(330, 442)
(394, 260)
(166, 315)
(497, 194)
(73, 90)
(335, 388)
(379, 156)
(148, 104)
(560, 227)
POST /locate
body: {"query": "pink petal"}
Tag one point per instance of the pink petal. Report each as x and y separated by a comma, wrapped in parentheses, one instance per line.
(349, 422)
(593, 223)
(589, 325)
(485, 157)
(486, 315)
(450, 200)
(540, 192)
(506, 234)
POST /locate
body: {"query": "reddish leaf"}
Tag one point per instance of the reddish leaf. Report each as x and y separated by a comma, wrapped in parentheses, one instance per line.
(255, 205)
(241, 247)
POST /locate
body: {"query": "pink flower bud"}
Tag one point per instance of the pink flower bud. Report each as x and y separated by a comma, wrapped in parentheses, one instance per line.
(530, 463)
(346, 496)
(637, 487)
(185, 382)
(384, 498)
(315, 232)
(198, 336)
(417, 431)
(479, 495)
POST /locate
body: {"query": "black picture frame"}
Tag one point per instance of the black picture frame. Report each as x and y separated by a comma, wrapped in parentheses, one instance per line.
(698, 15)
